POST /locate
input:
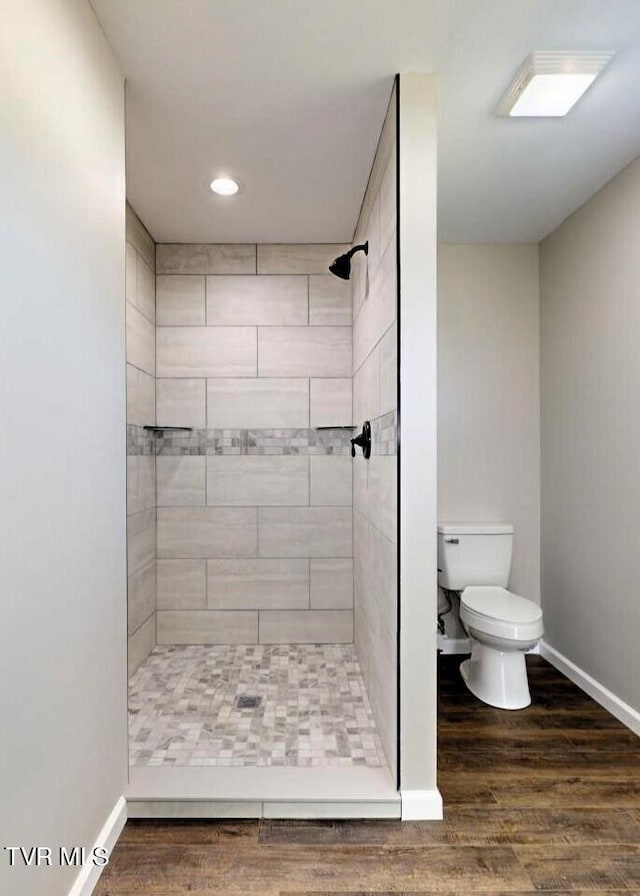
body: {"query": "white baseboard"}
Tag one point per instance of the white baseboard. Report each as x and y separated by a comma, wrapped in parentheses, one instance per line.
(617, 707)
(421, 805)
(112, 828)
(448, 646)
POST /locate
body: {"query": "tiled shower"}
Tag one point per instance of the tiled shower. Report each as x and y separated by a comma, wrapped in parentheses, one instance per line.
(245, 507)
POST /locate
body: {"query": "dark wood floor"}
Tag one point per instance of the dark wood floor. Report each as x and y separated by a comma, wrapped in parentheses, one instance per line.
(546, 799)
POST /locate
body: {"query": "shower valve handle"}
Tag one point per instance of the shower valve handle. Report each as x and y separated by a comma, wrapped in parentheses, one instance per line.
(363, 441)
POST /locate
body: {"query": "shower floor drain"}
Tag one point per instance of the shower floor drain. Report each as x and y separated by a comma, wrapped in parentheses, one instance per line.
(248, 701)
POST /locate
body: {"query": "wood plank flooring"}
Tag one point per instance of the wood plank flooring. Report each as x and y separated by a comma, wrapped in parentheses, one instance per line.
(544, 800)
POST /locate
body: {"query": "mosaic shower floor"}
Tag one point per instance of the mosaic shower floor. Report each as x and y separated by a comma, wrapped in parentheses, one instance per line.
(183, 707)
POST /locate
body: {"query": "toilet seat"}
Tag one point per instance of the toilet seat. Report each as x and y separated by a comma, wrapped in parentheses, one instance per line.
(498, 612)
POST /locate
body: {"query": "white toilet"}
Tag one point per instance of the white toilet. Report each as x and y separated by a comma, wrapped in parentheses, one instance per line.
(475, 559)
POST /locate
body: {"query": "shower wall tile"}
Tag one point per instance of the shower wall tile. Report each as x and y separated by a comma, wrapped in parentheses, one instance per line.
(141, 540)
(138, 236)
(304, 351)
(180, 300)
(388, 371)
(388, 202)
(141, 591)
(374, 286)
(131, 273)
(180, 481)
(182, 402)
(306, 627)
(257, 301)
(140, 313)
(366, 388)
(252, 481)
(141, 341)
(254, 351)
(199, 532)
(206, 351)
(329, 301)
(378, 312)
(145, 297)
(305, 531)
(141, 483)
(141, 643)
(330, 402)
(141, 397)
(330, 479)
(331, 584)
(298, 258)
(205, 258)
(207, 627)
(258, 584)
(182, 584)
(252, 403)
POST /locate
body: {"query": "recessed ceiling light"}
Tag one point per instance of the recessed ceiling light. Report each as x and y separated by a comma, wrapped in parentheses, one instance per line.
(550, 84)
(225, 186)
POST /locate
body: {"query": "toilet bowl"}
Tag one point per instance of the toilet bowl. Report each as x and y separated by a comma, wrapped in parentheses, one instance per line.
(474, 560)
(502, 627)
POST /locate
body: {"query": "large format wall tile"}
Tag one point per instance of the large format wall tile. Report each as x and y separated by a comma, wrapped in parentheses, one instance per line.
(192, 532)
(181, 402)
(141, 643)
(182, 584)
(330, 478)
(206, 351)
(258, 403)
(306, 627)
(257, 584)
(145, 300)
(298, 258)
(305, 531)
(141, 341)
(329, 301)
(331, 584)
(141, 397)
(389, 371)
(304, 351)
(378, 313)
(180, 300)
(141, 596)
(141, 483)
(139, 238)
(251, 301)
(252, 481)
(330, 402)
(200, 258)
(141, 540)
(207, 627)
(180, 481)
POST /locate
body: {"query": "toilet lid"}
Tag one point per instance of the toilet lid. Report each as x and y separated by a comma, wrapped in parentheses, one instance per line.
(498, 603)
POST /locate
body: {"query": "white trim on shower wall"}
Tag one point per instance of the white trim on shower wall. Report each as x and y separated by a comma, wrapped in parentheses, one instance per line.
(89, 874)
(617, 707)
(421, 805)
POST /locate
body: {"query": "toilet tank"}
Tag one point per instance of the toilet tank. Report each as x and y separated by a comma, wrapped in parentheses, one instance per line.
(474, 554)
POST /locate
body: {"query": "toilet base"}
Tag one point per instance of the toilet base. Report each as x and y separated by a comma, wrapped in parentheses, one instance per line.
(497, 677)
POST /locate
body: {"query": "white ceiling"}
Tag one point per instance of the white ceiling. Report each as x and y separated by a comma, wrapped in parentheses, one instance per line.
(290, 95)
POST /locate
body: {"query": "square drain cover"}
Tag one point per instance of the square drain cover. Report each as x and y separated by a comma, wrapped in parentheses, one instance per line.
(248, 701)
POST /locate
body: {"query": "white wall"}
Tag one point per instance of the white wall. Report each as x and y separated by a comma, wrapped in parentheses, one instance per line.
(590, 338)
(488, 395)
(418, 412)
(63, 761)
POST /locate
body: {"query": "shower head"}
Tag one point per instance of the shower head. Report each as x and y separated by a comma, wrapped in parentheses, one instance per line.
(341, 267)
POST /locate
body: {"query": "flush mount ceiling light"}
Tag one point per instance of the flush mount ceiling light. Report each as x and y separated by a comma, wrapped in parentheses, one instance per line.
(224, 186)
(549, 84)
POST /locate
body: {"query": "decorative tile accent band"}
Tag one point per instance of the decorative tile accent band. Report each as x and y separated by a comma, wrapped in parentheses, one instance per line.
(384, 434)
(303, 442)
(139, 440)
